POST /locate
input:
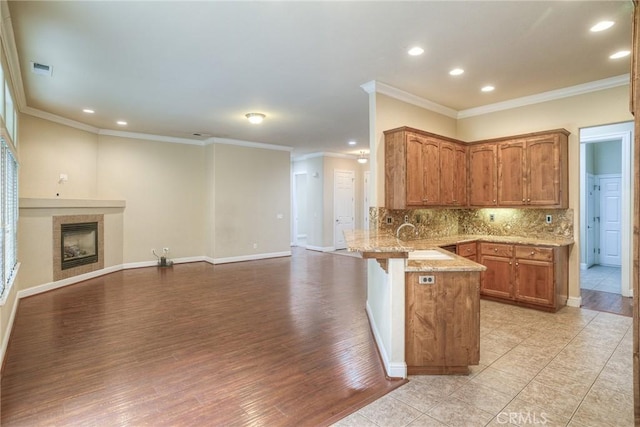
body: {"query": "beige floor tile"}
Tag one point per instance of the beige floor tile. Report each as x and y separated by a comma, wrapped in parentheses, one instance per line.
(498, 343)
(616, 379)
(567, 379)
(355, 420)
(523, 413)
(604, 407)
(509, 384)
(441, 385)
(502, 421)
(556, 401)
(426, 421)
(388, 411)
(457, 413)
(418, 395)
(483, 397)
(516, 365)
(476, 369)
(487, 357)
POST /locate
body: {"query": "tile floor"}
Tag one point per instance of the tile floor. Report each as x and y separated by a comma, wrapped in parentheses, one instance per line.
(572, 368)
(601, 278)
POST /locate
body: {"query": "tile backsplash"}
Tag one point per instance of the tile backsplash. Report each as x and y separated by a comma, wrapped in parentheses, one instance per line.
(445, 222)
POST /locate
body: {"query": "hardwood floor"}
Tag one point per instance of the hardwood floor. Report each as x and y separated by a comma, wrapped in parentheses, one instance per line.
(274, 342)
(607, 301)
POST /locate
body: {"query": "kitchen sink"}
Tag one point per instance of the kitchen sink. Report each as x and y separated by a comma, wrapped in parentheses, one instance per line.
(429, 254)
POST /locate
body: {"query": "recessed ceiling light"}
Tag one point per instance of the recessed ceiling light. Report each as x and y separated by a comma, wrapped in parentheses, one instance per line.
(601, 26)
(456, 71)
(255, 118)
(620, 54)
(487, 88)
(352, 143)
(88, 111)
(415, 51)
(121, 123)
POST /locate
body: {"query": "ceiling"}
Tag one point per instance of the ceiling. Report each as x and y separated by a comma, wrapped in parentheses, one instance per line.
(179, 68)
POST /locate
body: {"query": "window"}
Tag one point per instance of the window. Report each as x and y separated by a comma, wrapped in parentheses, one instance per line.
(9, 205)
(9, 114)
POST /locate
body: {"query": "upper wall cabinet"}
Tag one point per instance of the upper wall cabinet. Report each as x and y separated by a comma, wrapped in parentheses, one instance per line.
(423, 170)
(483, 175)
(532, 170)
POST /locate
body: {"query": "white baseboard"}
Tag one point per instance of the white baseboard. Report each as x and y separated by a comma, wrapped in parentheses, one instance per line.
(321, 248)
(583, 266)
(574, 301)
(66, 282)
(253, 257)
(397, 370)
(143, 264)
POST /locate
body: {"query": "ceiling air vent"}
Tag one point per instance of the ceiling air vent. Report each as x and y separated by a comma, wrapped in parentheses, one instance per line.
(42, 69)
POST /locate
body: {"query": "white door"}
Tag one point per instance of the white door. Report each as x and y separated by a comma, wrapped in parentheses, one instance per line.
(592, 190)
(365, 218)
(610, 220)
(343, 206)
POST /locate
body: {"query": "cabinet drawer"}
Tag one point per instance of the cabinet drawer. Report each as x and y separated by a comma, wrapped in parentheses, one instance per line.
(466, 249)
(498, 249)
(534, 252)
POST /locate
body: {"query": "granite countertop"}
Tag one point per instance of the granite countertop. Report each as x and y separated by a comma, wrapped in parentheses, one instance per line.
(455, 263)
(371, 241)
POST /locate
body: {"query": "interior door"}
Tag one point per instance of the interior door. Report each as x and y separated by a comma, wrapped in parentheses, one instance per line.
(343, 206)
(610, 220)
(591, 220)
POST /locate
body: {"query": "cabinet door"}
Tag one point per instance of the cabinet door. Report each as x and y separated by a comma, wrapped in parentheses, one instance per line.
(415, 166)
(534, 282)
(460, 178)
(431, 172)
(448, 173)
(543, 171)
(511, 173)
(483, 175)
(497, 280)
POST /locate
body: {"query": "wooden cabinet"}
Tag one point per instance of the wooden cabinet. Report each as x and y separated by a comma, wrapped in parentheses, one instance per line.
(533, 276)
(483, 175)
(530, 171)
(442, 323)
(424, 169)
(467, 250)
(453, 174)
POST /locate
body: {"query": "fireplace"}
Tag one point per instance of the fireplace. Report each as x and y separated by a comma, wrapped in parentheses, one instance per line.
(79, 244)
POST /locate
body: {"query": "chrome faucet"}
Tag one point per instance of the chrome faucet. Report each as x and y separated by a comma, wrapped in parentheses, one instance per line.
(406, 224)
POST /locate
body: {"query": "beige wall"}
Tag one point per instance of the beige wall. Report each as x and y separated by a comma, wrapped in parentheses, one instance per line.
(391, 113)
(252, 189)
(48, 149)
(163, 184)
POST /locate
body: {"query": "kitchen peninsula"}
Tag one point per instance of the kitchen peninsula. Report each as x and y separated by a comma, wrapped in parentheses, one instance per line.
(423, 302)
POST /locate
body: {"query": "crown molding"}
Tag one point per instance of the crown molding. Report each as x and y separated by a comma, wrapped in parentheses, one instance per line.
(325, 154)
(384, 89)
(58, 119)
(150, 137)
(249, 144)
(547, 96)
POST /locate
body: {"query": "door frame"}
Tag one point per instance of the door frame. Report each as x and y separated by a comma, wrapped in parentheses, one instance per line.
(296, 208)
(625, 136)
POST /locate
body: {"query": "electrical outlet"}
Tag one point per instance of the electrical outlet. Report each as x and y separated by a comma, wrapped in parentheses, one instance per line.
(492, 217)
(426, 280)
(549, 219)
(406, 218)
(389, 220)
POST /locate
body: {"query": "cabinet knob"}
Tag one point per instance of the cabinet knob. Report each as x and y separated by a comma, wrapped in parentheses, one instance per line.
(494, 200)
(517, 264)
(509, 262)
(528, 200)
(533, 252)
(523, 200)
(468, 249)
(495, 249)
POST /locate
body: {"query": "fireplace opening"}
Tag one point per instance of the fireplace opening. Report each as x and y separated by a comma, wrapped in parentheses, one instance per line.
(79, 244)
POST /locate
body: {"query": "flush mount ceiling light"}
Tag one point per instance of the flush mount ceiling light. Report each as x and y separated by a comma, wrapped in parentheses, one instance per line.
(121, 123)
(88, 111)
(456, 72)
(487, 88)
(620, 54)
(255, 118)
(352, 143)
(415, 51)
(601, 26)
(362, 159)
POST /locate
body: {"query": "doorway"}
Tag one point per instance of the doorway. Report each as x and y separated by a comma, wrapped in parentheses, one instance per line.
(300, 209)
(605, 209)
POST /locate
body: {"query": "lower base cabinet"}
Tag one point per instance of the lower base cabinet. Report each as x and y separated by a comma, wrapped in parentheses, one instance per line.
(532, 276)
(442, 323)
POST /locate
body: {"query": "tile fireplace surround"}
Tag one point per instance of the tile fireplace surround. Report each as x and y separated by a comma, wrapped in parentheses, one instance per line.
(58, 272)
